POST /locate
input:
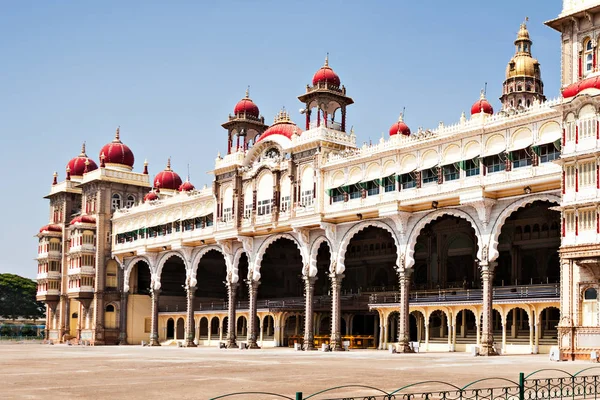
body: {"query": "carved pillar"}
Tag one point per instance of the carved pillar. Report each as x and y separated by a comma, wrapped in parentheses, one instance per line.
(336, 311)
(504, 335)
(252, 289)
(403, 320)
(427, 334)
(309, 289)
(155, 293)
(190, 325)
(231, 317)
(123, 321)
(487, 336)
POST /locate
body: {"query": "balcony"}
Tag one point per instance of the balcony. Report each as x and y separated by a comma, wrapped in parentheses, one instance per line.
(83, 248)
(50, 255)
(334, 126)
(168, 239)
(582, 237)
(52, 275)
(48, 295)
(84, 270)
(82, 292)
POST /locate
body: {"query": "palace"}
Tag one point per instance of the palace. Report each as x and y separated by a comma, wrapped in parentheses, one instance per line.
(479, 236)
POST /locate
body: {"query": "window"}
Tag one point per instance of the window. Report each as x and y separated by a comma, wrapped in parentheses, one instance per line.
(372, 188)
(429, 175)
(570, 131)
(111, 274)
(494, 164)
(570, 176)
(389, 183)
(588, 57)
(285, 203)
(408, 181)
(130, 201)
(587, 174)
(520, 158)
(450, 172)
(110, 317)
(247, 211)
(306, 198)
(548, 152)
(569, 221)
(353, 192)
(264, 207)
(587, 220)
(590, 307)
(227, 214)
(115, 202)
(472, 167)
(336, 195)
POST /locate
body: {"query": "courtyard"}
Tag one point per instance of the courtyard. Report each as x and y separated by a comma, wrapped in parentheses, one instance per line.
(36, 371)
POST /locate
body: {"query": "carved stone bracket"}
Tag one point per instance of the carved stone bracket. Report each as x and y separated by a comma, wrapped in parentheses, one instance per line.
(483, 208)
(400, 220)
(303, 235)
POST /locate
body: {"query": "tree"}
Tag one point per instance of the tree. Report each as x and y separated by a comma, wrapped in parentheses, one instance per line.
(17, 298)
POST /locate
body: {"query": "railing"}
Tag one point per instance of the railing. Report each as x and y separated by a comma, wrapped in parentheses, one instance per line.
(567, 385)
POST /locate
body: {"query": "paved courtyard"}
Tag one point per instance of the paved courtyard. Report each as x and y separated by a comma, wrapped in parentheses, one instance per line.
(37, 371)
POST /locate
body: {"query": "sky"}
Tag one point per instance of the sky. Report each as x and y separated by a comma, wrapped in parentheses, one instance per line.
(169, 73)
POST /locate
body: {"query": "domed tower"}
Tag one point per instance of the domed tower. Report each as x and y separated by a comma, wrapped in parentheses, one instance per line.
(327, 95)
(523, 82)
(245, 123)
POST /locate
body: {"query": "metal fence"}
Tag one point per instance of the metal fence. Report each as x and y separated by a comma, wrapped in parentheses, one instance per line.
(563, 385)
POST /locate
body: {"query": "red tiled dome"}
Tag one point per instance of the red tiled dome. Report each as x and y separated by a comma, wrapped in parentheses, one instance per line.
(283, 125)
(117, 153)
(326, 74)
(167, 179)
(186, 186)
(247, 106)
(575, 88)
(83, 219)
(77, 165)
(50, 228)
(151, 196)
(482, 105)
(400, 127)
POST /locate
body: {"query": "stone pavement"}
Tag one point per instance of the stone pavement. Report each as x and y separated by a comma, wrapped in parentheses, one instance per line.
(37, 371)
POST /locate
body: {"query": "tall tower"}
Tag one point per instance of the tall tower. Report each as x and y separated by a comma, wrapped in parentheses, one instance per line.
(327, 95)
(244, 126)
(523, 82)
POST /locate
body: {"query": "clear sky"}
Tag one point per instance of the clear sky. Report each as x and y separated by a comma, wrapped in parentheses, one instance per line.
(169, 73)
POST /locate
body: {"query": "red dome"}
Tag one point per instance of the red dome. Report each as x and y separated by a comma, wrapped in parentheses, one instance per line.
(151, 196)
(77, 165)
(482, 105)
(400, 127)
(246, 105)
(283, 125)
(186, 186)
(50, 228)
(574, 88)
(167, 179)
(117, 153)
(326, 74)
(83, 219)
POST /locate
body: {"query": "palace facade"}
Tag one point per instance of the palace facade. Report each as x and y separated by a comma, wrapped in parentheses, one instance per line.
(479, 236)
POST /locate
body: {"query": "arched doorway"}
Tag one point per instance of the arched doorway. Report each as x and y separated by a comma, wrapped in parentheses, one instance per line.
(170, 329)
(180, 329)
(210, 275)
(203, 328)
(242, 327)
(173, 297)
(139, 279)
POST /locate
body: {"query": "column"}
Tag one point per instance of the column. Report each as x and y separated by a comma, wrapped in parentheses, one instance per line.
(296, 325)
(404, 317)
(189, 323)
(427, 334)
(309, 290)
(536, 344)
(487, 334)
(478, 328)
(252, 289)
(155, 293)
(531, 336)
(463, 329)
(453, 328)
(384, 339)
(504, 336)
(513, 328)
(220, 331)
(231, 322)
(375, 341)
(336, 311)
(123, 319)
(260, 328)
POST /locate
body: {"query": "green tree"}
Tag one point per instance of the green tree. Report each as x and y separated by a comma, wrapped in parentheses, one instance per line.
(17, 298)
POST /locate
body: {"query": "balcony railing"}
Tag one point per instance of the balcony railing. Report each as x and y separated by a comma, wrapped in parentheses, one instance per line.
(84, 270)
(48, 275)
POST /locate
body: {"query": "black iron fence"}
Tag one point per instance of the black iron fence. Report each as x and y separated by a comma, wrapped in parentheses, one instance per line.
(563, 385)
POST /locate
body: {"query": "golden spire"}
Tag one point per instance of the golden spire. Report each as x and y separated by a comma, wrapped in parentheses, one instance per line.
(83, 151)
(117, 135)
(327, 60)
(482, 95)
(168, 164)
(523, 32)
(248, 92)
(282, 116)
(401, 117)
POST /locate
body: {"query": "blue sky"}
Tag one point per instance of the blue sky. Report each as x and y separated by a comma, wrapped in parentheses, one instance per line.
(169, 73)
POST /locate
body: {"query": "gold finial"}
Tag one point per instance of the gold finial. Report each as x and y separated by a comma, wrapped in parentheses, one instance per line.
(54, 178)
(248, 92)
(117, 135)
(168, 164)
(482, 94)
(146, 162)
(83, 150)
(401, 117)
(327, 60)
(282, 116)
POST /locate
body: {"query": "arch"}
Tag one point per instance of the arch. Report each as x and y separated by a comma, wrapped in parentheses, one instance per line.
(111, 278)
(408, 164)
(339, 265)
(203, 328)
(307, 178)
(409, 251)
(495, 144)
(452, 154)
(180, 333)
(263, 249)
(196, 261)
(549, 132)
(472, 150)
(389, 168)
(164, 258)
(493, 253)
(373, 171)
(521, 139)
(264, 187)
(234, 267)
(314, 250)
(111, 311)
(128, 266)
(337, 179)
(587, 111)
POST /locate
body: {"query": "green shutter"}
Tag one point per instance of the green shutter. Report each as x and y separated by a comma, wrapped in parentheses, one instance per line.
(557, 144)
(536, 149)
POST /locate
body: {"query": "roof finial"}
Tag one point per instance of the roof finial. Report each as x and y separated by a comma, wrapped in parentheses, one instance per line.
(401, 117)
(327, 60)
(145, 167)
(168, 164)
(54, 178)
(68, 173)
(102, 157)
(83, 150)
(87, 164)
(117, 134)
(188, 175)
(248, 92)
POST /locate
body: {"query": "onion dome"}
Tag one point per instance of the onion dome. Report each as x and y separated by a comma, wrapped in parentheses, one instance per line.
(186, 186)
(522, 63)
(167, 179)
(400, 127)
(81, 164)
(482, 105)
(83, 219)
(151, 196)
(246, 106)
(116, 153)
(50, 228)
(326, 75)
(282, 125)
(577, 87)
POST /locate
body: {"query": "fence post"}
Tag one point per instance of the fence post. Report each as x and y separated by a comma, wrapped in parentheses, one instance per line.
(521, 386)
(298, 395)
